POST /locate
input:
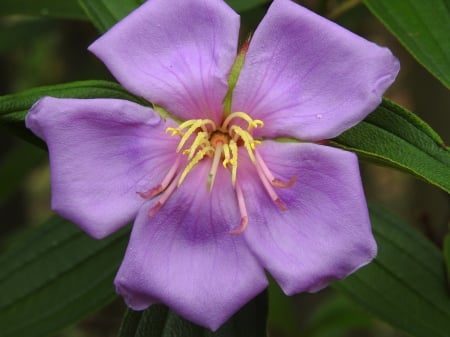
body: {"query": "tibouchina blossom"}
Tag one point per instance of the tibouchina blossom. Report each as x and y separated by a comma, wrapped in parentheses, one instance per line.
(227, 186)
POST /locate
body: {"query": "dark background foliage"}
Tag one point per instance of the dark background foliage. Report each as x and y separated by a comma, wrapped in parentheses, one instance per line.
(44, 42)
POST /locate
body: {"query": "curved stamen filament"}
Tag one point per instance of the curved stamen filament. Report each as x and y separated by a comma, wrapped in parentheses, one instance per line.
(226, 155)
(162, 200)
(200, 138)
(193, 125)
(165, 182)
(242, 210)
(174, 131)
(249, 143)
(200, 141)
(268, 186)
(268, 174)
(230, 153)
(252, 123)
(206, 151)
(233, 161)
(204, 123)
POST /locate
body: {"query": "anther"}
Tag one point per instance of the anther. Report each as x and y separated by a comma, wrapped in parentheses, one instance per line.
(246, 138)
(233, 160)
(206, 151)
(252, 123)
(284, 184)
(162, 200)
(199, 141)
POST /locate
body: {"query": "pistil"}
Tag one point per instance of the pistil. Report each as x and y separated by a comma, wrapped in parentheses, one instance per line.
(215, 165)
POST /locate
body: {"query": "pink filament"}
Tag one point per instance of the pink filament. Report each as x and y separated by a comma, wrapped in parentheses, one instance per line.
(274, 181)
(164, 197)
(165, 182)
(268, 186)
(242, 210)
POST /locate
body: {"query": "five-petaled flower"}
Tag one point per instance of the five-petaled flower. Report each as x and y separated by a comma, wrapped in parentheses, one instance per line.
(227, 186)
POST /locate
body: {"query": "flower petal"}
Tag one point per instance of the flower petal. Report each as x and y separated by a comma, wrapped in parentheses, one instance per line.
(176, 54)
(325, 233)
(307, 77)
(185, 258)
(102, 151)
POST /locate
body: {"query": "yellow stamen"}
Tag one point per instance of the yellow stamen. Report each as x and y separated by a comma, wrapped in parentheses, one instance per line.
(174, 131)
(200, 141)
(200, 138)
(191, 125)
(233, 161)
(252, 123)
(219, 143)
(226, 155)
(249, 143)
(194, 161)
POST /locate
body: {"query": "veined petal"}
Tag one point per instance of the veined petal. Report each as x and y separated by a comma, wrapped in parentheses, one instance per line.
(102, 151)
(307, 77)
(185, 257)
(175, 53)
(325, 233)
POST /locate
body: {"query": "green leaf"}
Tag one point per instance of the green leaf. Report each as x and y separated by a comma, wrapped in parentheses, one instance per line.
(282, 311)
(159, 321)
(240, 6)
(55, 8)
(447, 257)
(393, 136)
(105, 13)
(406, 284)
(423, 28)
(13, 108)
(55, 277)
(337, 316)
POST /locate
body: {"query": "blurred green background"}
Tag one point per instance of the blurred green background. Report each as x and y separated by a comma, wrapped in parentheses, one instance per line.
(37, 51)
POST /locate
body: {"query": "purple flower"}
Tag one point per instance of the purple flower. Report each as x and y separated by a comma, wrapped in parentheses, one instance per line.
(216, 195)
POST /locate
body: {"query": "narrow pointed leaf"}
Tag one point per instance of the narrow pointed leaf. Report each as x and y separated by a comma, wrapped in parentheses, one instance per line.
(55, 8)
(55, 277)
(406, 284)
(159, 321)
(13, 108)
(447, 258)
(422, 27)
(393, 136)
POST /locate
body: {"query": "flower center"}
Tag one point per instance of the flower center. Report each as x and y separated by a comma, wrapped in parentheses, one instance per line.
(200, 138)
